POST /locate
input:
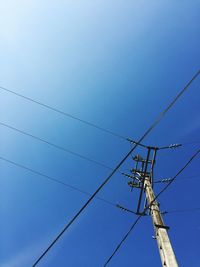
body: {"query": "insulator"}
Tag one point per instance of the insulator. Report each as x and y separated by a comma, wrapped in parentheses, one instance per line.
(174, 145)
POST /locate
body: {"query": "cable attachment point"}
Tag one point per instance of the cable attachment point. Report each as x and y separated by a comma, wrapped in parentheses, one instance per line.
(164, 212)
(135, 142)
(135, 182)
(174, 146)
(124, 209)
(166, 180)
(134, 185)
(128, 175)
(127, 210)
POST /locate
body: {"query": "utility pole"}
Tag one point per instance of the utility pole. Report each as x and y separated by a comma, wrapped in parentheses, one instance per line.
(167, 255)
(142, 179)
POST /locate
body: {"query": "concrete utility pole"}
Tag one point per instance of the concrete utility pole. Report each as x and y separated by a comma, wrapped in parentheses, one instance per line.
(142, 179)
(167, 255)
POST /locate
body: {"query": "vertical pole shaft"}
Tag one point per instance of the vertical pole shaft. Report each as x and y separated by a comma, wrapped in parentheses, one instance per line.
(167, 255)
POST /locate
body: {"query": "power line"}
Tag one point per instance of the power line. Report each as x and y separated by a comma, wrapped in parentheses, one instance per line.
(166, 180)
(56, 146)
(72, 116)
(68, 150)
(178, 173)
(192, 143)
(148, 206)
(171, 146)
(123, 240)
(64, 113)
(187, 178)
(117, 167)
(182, 211)
(166, 212)
(53, 179)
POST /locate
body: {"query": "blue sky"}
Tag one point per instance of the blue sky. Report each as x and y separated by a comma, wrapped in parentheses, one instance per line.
(116, 64)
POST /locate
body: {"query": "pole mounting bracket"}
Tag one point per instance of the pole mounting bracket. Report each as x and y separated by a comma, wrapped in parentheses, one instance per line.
(162, 226)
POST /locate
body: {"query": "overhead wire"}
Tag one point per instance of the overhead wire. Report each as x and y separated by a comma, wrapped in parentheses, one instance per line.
(166, 180)
(149, 205)
(53, 179)
(178, 173)
(159, 118)
(74, 117)
(171, 146)
(192, 143)
(182, 210)
(56, 146)
(79, 155)
(63, 113)
(61, 147)
(187, 178)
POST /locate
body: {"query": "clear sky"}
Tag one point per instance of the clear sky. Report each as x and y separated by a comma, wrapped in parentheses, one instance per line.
(116, 64)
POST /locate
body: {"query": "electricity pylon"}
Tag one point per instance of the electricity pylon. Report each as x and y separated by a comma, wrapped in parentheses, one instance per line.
(142, 178)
